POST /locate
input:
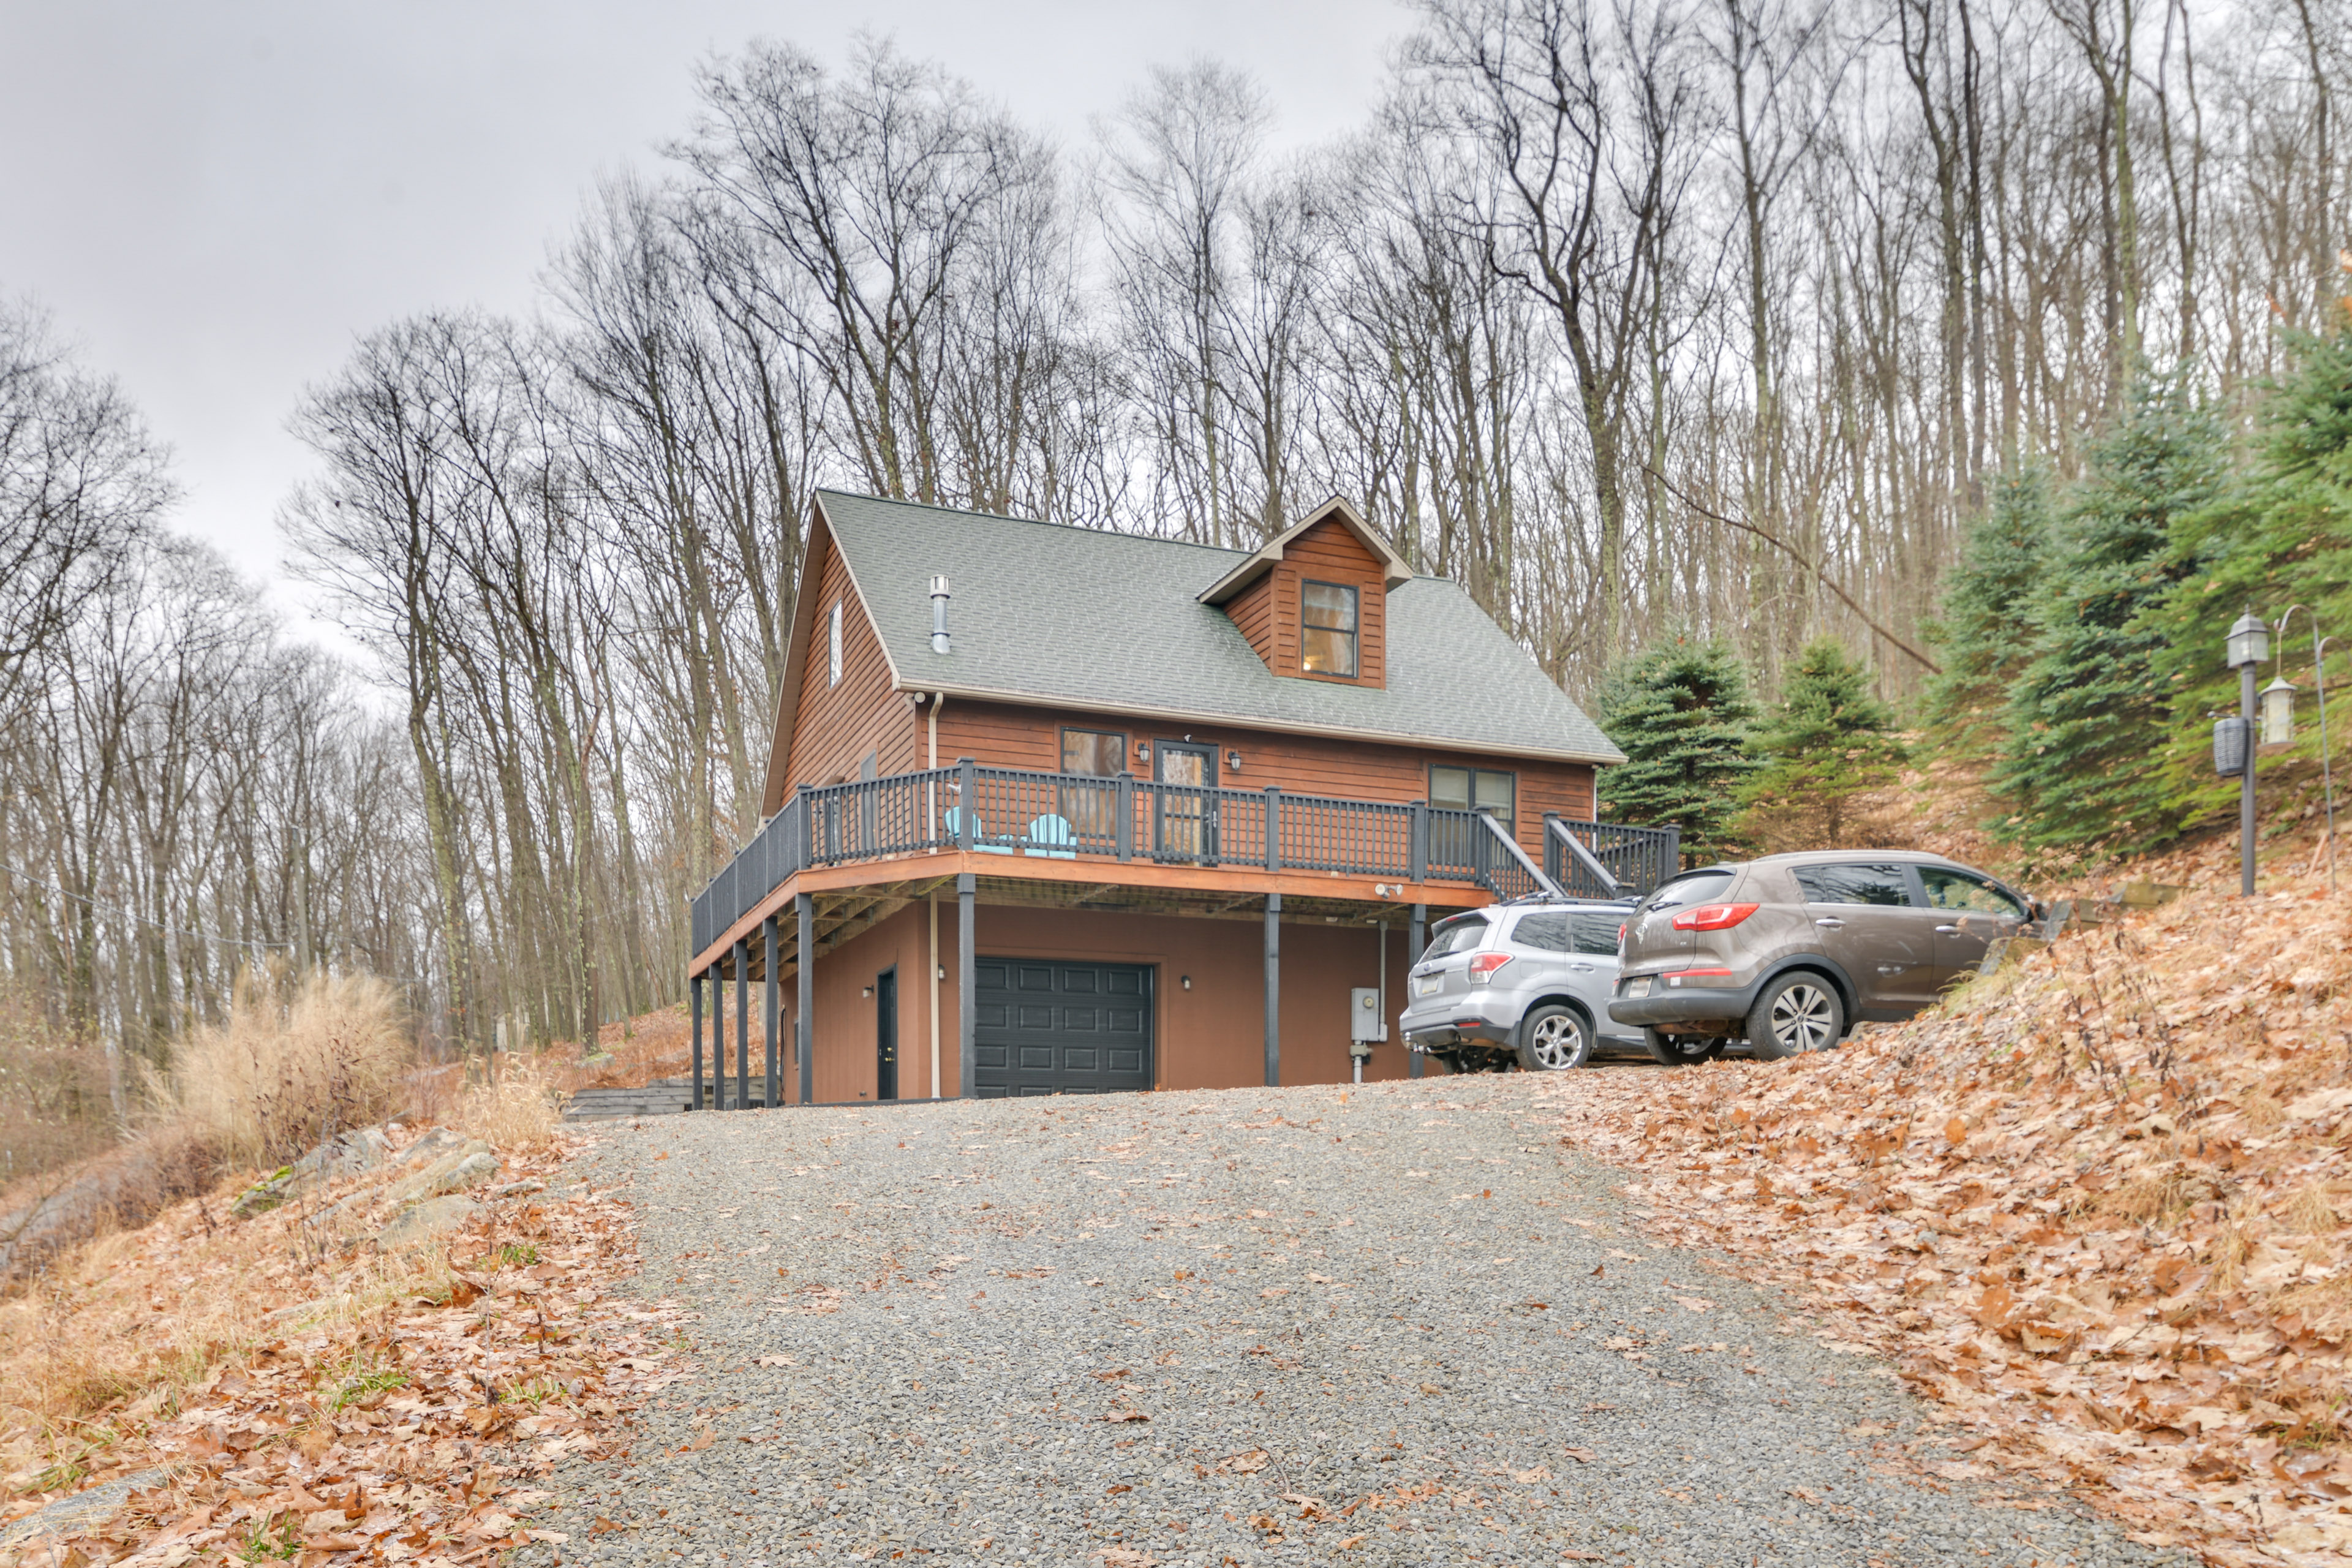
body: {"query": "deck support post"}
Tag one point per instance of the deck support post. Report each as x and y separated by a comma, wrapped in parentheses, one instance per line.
(694, 1013)
(1417, 849)
(719, 1035)
(1123, 801)
(743, 1022)
(1273, 828)
(1273, 990)
(774, 985)
(967, 990)
(803, 1036)
(968, 993)
(967, 801)
(1416, 938)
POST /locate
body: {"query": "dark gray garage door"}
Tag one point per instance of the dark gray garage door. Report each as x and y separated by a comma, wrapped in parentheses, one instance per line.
(1060, 1026)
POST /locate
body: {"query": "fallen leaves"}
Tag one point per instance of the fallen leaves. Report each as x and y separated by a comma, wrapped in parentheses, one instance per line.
(2122, 1253)
(400, 1410)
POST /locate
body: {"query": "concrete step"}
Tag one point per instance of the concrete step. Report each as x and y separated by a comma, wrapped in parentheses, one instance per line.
(663, 1097)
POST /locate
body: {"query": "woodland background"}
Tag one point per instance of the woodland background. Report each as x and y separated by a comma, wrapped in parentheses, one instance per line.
(1724, 322)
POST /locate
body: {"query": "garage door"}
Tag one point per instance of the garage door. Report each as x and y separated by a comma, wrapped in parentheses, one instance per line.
(1053, 1026)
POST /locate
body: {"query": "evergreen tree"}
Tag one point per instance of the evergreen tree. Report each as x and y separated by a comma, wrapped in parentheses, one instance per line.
(2281, 536)
(1985, 611)
(1680, 712)
(1829, 742)
(2088, 718)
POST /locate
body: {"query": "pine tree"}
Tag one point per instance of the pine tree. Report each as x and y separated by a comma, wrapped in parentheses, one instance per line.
(1680, 712)
(2281, 536)
(1985, 607)
(2088, 718)
(1829, 742)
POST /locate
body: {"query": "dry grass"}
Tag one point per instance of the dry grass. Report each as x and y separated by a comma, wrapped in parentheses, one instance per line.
(519, 1111)
(54, 1103)
(295, 1061)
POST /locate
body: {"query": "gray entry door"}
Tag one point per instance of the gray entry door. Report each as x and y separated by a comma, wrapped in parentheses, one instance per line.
(1050, 1026)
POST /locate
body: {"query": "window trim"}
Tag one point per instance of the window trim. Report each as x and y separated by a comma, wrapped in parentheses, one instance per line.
(1353, 631)
(1511, 820)
(1062, 757)
(833, 659)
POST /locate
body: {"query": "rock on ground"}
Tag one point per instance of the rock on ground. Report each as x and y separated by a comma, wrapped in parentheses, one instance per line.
(69, 1514)
(1397, 1325)
(422, 1222)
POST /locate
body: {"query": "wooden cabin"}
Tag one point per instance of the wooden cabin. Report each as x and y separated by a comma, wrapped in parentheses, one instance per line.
(1054, 810)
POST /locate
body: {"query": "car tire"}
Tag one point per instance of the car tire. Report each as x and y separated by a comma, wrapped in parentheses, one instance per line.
(1553, 1040)
(1680, 1051)
(1447, 1059)
(1799, 1012)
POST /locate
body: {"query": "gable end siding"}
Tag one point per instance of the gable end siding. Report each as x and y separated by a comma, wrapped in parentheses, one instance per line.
(837, 726)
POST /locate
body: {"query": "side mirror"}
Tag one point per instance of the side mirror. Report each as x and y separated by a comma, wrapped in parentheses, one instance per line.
(2039, 911)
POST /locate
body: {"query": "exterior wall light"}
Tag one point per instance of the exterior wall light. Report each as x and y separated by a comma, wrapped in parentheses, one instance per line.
(2278, 712)
(1234, 762)
(1143, 750)
(1188, 981)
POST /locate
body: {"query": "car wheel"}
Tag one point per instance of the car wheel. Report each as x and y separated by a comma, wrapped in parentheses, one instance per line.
(1553, 1040)
(1796, 1014)
(1680, 1051)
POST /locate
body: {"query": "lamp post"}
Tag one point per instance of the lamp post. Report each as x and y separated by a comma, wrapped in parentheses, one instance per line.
(2278, 718)
(2250, 644)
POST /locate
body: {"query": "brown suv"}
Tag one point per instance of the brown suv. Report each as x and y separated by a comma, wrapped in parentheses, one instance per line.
(1788, 952)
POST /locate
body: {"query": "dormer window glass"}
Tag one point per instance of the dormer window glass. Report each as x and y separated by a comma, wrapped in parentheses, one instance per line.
(833, 646)
(1327, 642)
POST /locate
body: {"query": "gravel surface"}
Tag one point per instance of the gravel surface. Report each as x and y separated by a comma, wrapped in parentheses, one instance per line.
(1400, 1325)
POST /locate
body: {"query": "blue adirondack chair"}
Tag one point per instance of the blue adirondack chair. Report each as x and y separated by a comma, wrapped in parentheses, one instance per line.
(951, 824)
(1050, 836)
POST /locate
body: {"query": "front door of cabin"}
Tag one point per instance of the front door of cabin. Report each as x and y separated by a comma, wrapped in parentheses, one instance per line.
(1184, 819)
(885, 1035)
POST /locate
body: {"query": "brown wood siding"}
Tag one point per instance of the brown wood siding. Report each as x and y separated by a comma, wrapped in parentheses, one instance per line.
(1252, 610)
(1002, 735)
(839, 724)
(1211, 1037)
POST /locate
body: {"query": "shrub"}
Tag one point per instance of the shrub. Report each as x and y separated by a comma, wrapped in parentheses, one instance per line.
(295, 1061)
(515, 1110)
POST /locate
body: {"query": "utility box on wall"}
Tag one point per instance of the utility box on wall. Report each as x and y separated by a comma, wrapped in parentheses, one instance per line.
(1364, 1020)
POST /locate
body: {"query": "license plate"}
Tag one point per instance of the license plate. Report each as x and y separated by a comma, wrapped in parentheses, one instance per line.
(1638, 987)
(1427, 987)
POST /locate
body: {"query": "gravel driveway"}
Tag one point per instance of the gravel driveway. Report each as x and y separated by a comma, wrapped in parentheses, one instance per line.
(1402, 1324)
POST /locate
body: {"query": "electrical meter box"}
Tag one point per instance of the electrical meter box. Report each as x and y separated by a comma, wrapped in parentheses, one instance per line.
(1364, 1020)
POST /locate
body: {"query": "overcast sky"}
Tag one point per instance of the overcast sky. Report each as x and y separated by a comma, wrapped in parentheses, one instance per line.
(215, 199)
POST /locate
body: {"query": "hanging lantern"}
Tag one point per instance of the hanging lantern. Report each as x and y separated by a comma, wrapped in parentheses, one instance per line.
(2250, 641)
(2229, 736)
(2278, 712)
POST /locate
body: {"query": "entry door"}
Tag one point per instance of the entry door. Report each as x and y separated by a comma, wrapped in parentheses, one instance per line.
(1045, 1026)
(885, 1035)
(1186, 820)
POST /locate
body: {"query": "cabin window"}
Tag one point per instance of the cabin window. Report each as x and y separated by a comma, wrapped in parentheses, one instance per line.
(1330, 643)
(1475, 789)
(1097, 753)
(833, 646)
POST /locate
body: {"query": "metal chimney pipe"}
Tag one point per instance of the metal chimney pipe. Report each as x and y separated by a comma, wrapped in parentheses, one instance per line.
(939, 615)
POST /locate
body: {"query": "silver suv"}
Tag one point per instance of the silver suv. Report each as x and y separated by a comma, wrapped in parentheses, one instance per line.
(1788, 952)
(1524, 982)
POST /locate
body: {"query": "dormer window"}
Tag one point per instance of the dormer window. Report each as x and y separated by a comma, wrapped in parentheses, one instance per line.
(833, 646)
(1328, 644)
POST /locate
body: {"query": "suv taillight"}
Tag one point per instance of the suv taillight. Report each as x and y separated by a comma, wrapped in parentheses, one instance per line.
(1485, 963)
(1713, 917)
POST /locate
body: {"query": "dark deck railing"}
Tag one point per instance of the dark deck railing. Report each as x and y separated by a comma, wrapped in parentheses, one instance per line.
(1063, 815)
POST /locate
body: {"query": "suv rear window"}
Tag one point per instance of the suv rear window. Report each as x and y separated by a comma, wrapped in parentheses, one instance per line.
(1546, 932)
(1854, 884)
(1455, 936)
(1597, 933)
(1696, 888)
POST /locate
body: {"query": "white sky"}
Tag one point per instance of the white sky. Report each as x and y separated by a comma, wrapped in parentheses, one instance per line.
(215, 199)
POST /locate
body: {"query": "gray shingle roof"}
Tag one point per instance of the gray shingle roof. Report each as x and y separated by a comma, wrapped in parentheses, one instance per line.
(1045, 612)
